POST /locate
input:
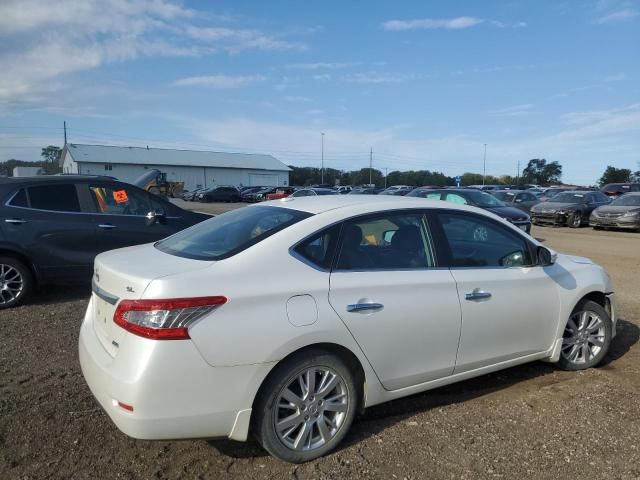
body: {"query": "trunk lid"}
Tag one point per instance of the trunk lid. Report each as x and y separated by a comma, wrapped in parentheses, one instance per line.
(124, 274)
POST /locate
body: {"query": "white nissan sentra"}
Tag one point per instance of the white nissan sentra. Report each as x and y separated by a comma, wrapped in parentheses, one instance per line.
(287, 318)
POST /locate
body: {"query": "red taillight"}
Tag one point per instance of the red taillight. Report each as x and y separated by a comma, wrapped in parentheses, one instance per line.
(167, 319)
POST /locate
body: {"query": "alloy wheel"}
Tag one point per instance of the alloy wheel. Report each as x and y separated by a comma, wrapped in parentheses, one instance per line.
(11, 284)
(584, 337)
(311, 409)
(577, 220)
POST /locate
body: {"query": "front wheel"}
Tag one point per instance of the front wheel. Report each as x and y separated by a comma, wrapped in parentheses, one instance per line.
(306, 406)
(586, 338)
(575, 220)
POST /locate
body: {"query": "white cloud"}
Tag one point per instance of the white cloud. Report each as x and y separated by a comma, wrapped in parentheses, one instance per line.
(218, 81)
(241, 39)
(513, 111)
(42, 40)
(618, 16)
(431, 23)
(295, 99)
(376, 77)
(322, 65)
(445, 23)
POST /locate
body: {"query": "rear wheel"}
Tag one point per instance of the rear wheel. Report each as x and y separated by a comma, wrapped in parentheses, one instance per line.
(586, 337)
(16, 282)
(306, 406)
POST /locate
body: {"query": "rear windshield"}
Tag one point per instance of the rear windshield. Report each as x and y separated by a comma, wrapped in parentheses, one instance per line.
(227, 234)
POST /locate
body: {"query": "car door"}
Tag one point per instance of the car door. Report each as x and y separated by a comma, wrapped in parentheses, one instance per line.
(53, 228)
(120, 216)
(510, 306)
(400, 307)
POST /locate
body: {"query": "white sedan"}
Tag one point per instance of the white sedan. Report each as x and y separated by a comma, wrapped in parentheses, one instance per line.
(287, 318)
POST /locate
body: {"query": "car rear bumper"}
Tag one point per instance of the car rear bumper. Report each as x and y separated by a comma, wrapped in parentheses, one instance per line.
(174, 393)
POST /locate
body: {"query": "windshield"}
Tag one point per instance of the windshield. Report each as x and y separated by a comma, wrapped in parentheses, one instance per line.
(627, 201)
(484, 200)
(227, 234)
(568, 197)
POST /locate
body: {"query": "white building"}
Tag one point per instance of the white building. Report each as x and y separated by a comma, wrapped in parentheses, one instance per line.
(27, 171)
(194, 168)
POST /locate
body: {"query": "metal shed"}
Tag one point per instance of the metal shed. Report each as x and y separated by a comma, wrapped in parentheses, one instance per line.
(194, 168)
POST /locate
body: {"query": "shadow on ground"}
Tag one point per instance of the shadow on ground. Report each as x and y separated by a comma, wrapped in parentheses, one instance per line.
(380, 417)
(49, 295)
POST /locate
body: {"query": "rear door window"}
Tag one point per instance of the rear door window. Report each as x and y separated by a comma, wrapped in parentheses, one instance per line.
(19, 199)
(122, 200)
(390, 241)
(58, 197)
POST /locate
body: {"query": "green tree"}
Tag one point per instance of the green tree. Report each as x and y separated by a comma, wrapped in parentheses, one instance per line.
(615, 175)
(540, 172)
(51, 154)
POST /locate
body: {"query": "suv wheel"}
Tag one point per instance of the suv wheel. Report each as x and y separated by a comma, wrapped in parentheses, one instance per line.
(16, 282)
(586, 337)
(306, 406)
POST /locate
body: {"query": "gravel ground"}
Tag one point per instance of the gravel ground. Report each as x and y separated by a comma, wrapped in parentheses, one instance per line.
(531, 421)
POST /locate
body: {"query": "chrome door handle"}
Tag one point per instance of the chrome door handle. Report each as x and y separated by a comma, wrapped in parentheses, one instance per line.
(106, 226)
(477, 294)
(15, 221)
(363, 307)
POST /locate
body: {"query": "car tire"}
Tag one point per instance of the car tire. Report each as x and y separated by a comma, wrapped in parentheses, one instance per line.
(14, 274)
(575, 220)
(586, 338)
(291, 443)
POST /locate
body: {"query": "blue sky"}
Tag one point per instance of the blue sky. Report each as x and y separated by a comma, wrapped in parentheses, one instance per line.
(425, 84)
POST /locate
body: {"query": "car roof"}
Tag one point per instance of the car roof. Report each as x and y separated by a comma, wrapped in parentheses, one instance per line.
(361, 203)
(52, 179)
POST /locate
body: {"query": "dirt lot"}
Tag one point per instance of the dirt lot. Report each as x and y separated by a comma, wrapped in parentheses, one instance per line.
(526, 422)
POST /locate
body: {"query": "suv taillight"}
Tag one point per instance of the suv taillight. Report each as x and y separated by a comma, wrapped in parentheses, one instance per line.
(167, 319)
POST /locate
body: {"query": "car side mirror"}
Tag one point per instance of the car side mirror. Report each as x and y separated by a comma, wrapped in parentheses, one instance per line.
(156, 215)
(546, 257)
(518, 200)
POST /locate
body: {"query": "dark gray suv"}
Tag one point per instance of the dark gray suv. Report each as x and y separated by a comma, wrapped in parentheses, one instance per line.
(52, 227)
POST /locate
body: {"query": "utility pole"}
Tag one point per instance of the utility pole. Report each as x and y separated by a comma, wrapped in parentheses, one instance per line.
(484, 164)
(370, 164)
(518, 175)
(386, 174)
(322, 154)
(65, 131)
